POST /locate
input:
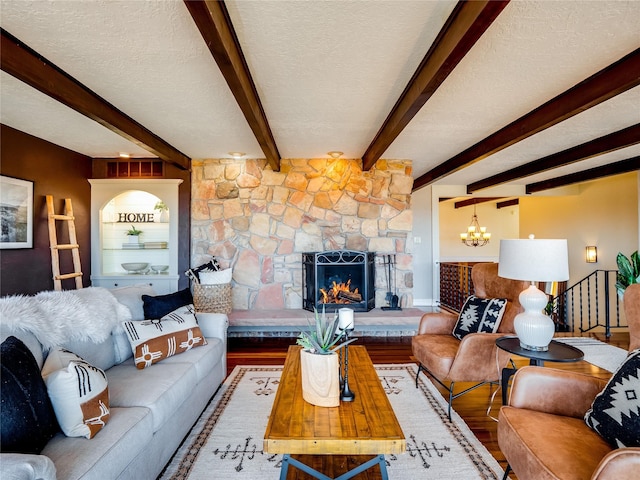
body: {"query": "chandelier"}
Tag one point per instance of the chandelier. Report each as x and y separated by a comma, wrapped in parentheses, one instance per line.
(475, 236)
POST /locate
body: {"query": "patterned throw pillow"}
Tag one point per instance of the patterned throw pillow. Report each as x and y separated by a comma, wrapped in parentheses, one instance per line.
(615, 412)
(154, 340)
(78, 392)
(479, 315)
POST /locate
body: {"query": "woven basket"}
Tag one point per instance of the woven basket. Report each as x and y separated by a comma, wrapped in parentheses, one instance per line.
(212, 298)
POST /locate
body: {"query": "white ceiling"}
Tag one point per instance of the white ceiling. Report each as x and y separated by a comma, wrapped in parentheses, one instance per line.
(328, 74)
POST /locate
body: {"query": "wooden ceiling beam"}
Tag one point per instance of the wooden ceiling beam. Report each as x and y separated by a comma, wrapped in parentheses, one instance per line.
(623, 166)
(28, 66)
(603, 85)
(475, 201)
(608, 143)
(212, 19)
(465, 25)
(508, 203)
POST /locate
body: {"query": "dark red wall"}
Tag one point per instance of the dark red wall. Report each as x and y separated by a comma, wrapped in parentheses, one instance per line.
(55, 171)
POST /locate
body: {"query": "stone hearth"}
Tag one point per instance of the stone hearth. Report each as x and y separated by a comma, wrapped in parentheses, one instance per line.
(289, 322)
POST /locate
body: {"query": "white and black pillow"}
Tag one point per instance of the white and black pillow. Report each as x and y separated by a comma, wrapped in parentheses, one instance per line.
(78, 391)
(615, 412)
(479, 315)
(194, 273)
(154, 340)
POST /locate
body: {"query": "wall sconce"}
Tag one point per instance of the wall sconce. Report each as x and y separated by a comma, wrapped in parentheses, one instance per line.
(591, 254)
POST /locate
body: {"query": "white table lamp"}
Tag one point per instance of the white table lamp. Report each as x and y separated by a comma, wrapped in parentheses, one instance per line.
(544, 260)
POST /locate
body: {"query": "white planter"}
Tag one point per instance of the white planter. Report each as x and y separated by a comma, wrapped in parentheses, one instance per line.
(320, 378)
(133, 238)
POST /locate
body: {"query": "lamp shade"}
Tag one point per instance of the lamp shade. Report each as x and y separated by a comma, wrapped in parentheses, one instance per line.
(534, 260)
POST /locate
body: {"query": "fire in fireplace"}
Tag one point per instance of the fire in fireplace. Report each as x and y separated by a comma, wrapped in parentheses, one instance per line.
(340, 278)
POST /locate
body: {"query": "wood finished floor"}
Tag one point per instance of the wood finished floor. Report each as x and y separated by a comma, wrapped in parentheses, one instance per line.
(472, 406)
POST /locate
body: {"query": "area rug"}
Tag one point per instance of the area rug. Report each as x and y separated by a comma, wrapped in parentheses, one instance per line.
(226, 443)
(596, 352)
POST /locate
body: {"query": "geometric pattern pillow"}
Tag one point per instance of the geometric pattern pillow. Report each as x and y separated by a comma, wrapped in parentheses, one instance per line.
(78, 392)
(479, 315)
(615, 412)
(154, 340)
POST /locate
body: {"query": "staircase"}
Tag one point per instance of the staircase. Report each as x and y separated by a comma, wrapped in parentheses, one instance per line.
(591, 303)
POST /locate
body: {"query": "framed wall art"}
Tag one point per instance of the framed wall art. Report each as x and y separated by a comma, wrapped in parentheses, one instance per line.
(16, 213)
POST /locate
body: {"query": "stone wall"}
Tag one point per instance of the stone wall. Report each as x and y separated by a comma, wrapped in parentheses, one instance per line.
(259, 222)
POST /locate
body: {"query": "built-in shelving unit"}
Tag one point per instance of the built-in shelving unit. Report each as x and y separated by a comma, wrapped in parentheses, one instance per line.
(116, 207)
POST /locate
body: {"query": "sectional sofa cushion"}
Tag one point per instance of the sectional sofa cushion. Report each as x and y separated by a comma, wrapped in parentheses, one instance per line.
(203, 359)
(153, 340)
(131, 297)
(160, 305)
(479, 315)
(615, 412)
(162, 390)
(101, 355)
(78, 391)
(28, 419)
(129, 433)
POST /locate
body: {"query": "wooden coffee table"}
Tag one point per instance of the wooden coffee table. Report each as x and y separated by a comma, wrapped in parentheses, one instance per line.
(366, 426)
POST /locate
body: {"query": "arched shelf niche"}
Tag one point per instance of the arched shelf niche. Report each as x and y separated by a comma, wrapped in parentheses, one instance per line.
(149, 206)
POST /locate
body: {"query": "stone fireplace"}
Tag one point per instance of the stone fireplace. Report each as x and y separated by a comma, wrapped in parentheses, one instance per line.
(339, 278)
(261, 223)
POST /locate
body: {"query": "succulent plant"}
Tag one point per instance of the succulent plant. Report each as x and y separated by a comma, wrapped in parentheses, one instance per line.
(323, 336)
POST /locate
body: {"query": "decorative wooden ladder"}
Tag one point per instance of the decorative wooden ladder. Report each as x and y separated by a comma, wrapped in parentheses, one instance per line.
(56, 247)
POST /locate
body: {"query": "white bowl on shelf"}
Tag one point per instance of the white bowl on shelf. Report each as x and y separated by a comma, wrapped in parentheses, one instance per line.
(135, 267)
(159, 268)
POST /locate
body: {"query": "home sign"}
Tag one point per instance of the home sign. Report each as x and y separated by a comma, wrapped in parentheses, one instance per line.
(135, 217)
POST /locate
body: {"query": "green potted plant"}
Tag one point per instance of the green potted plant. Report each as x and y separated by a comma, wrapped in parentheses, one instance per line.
(133, 234)
(319, 362)
(628, 271)
(164, 211)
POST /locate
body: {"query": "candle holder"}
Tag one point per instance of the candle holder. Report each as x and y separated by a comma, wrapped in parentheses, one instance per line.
(346, 395)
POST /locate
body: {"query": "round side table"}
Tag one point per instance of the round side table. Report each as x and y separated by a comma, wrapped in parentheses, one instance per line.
(558, 352)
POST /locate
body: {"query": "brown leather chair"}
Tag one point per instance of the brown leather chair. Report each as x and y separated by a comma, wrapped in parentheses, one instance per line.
(475, 358)
(542, 432)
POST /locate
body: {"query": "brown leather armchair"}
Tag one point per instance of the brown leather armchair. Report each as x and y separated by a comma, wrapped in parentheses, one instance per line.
(475, 358)
(542, 432)
(543, 435)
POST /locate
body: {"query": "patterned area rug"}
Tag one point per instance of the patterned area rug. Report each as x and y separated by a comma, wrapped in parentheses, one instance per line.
(226, 443)
(596, 352)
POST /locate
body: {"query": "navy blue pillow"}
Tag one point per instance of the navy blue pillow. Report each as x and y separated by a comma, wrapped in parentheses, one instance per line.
(28, 420)
(158, 306)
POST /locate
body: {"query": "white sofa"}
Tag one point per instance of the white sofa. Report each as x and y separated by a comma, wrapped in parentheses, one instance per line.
(151, 409)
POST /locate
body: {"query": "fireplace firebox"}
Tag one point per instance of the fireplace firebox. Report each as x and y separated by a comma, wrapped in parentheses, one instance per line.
(336, 279)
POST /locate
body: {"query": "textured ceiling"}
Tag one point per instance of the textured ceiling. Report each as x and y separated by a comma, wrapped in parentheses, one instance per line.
(328, 74)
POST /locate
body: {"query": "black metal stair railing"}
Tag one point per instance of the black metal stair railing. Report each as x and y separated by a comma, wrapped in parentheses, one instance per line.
(591, 303)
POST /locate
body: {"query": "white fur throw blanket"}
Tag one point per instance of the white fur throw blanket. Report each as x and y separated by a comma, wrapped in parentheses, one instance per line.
(56, 317)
